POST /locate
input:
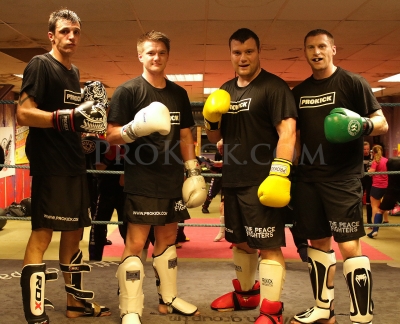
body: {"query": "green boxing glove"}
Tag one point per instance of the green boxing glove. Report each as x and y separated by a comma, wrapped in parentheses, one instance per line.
(343, 125)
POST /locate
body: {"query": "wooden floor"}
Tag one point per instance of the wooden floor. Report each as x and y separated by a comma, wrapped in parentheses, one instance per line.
(15, 234)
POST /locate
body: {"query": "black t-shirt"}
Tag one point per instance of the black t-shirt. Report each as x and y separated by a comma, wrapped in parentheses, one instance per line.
(53, 87)
(321, 160)
(153, 163)
(248, 128)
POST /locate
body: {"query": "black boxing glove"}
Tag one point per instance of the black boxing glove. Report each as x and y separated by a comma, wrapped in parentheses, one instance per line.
(88, 117)
(98, 150)
(95, 91)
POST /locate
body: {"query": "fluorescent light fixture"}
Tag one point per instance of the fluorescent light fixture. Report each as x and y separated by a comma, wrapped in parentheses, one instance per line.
(18, 75)
(377, 89)
(393, 78)
(209, 90)
(185, 77)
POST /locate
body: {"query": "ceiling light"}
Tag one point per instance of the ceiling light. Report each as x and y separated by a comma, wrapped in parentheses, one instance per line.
(377, 89)
(185, 77)
(393, 78)
(209, 90)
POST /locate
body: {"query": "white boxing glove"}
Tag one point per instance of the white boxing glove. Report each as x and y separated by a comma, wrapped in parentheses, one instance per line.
(194, 190)
(153, 118)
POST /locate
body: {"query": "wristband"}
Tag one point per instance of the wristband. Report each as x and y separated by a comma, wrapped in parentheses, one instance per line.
(280, 167)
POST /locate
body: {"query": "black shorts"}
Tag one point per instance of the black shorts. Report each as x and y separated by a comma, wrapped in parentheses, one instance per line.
(154, 211)
(323, 209)
(60, 203)
(377, 193)
(247, 220)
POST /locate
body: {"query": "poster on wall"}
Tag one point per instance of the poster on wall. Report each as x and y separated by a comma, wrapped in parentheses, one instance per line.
(21, 133)
(7, 142)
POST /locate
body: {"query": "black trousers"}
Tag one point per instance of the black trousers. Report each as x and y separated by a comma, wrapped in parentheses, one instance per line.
(106, 203)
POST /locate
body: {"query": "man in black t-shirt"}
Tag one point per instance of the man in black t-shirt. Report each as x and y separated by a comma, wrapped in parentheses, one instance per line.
(50, 103)
(336, 109)
(153, 116)
(255, 115)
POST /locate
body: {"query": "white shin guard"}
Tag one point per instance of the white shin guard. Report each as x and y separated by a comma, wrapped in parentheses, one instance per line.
(130, 276)
(245, 267)
(166, 268)
(357, 272)
(320, 264)
(272, 278)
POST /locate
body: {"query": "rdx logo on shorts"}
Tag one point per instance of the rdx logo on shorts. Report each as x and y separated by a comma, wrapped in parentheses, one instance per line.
(317, 101)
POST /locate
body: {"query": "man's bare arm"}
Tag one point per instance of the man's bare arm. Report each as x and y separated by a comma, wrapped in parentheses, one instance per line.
(29, 115)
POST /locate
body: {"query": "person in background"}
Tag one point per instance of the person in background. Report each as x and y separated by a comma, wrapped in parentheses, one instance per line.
(50, 104)
(109, 189)
(153, 116)
(392, 195)
(366, 181)
(327, 199)
(216, 182)
(378, 188)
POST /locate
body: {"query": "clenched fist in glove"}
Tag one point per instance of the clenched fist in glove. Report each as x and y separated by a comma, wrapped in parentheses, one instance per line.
(88, 117)
(194, 191)
(95, 91)
(153, 118)
(343, 125)
(274, 191)
(217, 103)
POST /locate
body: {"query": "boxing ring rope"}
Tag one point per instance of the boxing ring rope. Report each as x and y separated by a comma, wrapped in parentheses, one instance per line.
(382, 104)
(211, 175)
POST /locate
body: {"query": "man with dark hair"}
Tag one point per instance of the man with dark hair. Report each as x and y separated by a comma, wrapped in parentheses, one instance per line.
(48, 103)
(336, 109)
(255, 114)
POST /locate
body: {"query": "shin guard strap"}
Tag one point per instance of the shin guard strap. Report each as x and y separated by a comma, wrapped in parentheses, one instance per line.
(75, 269)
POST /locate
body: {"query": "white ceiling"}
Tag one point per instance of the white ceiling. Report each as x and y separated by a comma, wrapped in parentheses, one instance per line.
(367, 34)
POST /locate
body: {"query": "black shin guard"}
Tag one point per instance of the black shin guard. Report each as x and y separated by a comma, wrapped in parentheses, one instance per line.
(75, 269)
(33, 284)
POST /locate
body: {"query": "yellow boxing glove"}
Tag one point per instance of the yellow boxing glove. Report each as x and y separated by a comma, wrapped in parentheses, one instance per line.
(274, 191)
(217, 103)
